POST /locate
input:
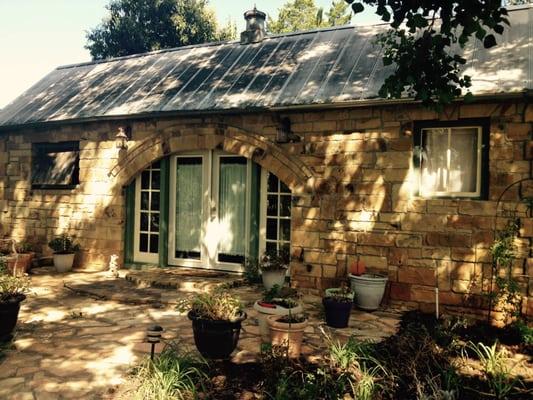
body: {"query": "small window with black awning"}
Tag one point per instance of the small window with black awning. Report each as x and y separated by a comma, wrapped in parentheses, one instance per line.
(55, 165)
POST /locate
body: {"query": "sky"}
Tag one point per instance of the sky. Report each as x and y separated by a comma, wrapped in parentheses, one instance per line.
(37, 36)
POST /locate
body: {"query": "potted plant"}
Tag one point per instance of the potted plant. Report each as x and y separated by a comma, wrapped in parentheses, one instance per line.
(273, 266)
(12, 293)
(276, 301)
(288, 331)
(24, 259)
(216, 322)
(337, 306)
(64, 250)
(369, 289)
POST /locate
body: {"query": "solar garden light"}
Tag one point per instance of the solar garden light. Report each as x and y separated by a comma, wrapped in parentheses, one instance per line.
(153, 337)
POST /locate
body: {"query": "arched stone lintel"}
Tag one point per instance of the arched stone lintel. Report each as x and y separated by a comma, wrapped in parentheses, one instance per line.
(292, 171)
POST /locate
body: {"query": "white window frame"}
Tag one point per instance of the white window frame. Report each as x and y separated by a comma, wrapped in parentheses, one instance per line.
(263, 213)
(206, 182)
(210, 173)
(449, 129)
(141, 256)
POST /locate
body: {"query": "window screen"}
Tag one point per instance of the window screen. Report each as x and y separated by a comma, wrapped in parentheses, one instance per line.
(55, 165)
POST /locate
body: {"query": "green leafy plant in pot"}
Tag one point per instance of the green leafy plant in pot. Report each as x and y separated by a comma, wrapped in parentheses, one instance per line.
(64, 249)
(13, 291)
(338, 306)
(276, 301)
(216, 322)
(273, 266)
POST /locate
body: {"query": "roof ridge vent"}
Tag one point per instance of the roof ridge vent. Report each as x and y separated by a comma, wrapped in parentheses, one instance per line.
(255, 26)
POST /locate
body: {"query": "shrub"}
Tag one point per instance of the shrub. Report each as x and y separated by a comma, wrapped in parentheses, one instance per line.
(63, 244)
(218, 305)
(274, 261)
(251, 270)
(174, 374)
(12, 288)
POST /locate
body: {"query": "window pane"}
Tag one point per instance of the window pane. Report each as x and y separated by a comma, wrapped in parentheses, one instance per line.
(155, 201)
(232, 206)
(144, 221)
(154, 243)
(272, 229)
(285, 206)
(283, 188)
(156, 165)
(463, 160)
(285, 229)
(272, 205)
(272, 183)
(55, 164)
(144, 200)
(434, 161)
(188, 206)
(155, 180)
(271, 248)
(145, 180)
(154, 222)
(143, 242)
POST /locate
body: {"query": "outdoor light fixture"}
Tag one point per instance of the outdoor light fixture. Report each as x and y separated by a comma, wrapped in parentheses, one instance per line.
(121, 139)
(284, 134)
(153, 337)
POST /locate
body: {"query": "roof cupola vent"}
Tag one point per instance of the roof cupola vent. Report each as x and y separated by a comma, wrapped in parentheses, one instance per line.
(255, 26)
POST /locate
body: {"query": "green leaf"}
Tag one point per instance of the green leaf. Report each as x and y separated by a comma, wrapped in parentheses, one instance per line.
(489, 41)
(357, 8)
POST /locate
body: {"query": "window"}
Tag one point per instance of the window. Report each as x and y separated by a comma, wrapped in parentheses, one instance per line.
(55, 165)
(147, 214)
(450, 161)
(276, 215)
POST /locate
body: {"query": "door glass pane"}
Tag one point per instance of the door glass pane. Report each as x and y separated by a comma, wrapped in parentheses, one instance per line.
(154, 206)
(272, 204)
(145, 196)
(283, 188)
(154, 223)
(156, 180)
(144, 221)
(272, 229)
(285, 229)
(143, 242)
(232, 209)
(145, 179)
(285, 206)
(188, 207)
(272, 183)
(463, 160)
(154, 243)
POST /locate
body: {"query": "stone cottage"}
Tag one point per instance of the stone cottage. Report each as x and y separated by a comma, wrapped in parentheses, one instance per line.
(202, 156)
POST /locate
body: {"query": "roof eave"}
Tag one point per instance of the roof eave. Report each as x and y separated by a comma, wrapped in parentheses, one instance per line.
(524, 94)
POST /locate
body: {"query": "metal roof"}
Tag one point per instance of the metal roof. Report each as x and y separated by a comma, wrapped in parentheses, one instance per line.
(340, 65)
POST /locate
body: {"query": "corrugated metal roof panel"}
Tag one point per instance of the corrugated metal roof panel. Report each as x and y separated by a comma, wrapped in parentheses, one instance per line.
(326, 66)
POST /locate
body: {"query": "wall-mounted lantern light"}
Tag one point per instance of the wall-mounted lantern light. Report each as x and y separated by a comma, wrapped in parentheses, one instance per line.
(284, 134)
(121, 139)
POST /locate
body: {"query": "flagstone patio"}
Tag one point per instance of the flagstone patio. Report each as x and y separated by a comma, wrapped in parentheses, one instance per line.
(79, 333)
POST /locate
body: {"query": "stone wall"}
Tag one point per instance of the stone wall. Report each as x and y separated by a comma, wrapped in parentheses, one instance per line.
(352, 175)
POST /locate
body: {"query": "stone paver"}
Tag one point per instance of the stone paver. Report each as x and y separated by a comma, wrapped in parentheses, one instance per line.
(79, 333)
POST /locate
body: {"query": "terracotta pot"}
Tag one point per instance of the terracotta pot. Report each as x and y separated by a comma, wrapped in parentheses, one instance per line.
(19, 264)
(63, 262)
(264, 312)
(284, 334)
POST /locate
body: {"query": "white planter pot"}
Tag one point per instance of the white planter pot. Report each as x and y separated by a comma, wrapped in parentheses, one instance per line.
(63, 262)
(264, 312)
(369, 290)
(272, 278)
